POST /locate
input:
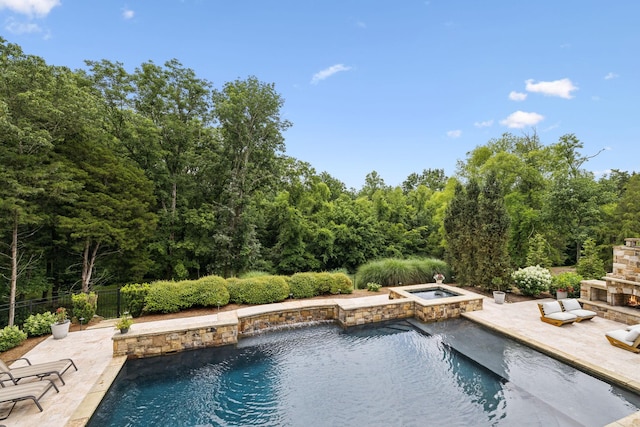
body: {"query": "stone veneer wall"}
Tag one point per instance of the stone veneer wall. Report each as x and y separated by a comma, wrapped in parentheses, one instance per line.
(138, 344)
(253, 324)
(166, 342)
(435, 312)
(398, 309)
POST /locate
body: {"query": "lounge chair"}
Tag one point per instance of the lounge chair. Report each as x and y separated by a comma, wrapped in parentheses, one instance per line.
(551, 312)
(33, 390)
(626, 339)
(39, 370)
(573, 306)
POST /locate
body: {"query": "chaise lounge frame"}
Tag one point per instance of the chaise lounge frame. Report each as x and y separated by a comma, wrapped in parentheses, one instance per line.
(580, 313)
(26, 391)
(562, 319)
(616, 339)
(40, 370)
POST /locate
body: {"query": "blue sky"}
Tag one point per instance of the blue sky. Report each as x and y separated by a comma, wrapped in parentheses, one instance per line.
(395, 86)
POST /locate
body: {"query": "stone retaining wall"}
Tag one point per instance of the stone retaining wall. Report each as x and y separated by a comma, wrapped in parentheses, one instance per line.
(150, 344)
(225, 328)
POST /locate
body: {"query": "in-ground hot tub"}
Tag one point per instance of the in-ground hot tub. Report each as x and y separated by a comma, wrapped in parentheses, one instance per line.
(437, 301)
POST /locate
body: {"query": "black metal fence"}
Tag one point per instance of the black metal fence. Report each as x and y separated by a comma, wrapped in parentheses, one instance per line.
(108, 306)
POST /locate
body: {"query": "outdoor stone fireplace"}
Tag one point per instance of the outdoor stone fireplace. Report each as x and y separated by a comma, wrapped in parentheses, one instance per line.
(617, 295)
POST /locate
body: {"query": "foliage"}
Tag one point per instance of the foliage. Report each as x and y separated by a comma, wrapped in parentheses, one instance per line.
(477, 233)
(373, 287)
(302, 285)
(133, 297)
(590, 266)
(538, 252)
(84, 306)
(264, 289)
(209, 291)
(10, 337)
(398, 272)
(124, 322)
(61, 315)
(340, 284)
(39, 324)
(532, 280)
(567, 281)
(235, 288)
(164, 297)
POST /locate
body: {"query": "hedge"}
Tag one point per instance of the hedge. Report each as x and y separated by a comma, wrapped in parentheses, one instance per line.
(10, 337)
(133, 296)
(399, 272)
(39, 324)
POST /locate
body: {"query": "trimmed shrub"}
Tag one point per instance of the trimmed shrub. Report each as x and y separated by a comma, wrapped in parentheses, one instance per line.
(234, 287)
(568, 281)
(265, 289)
(10, 337)
(39, 324)
(84, 306)
(532, 280)
(341, 284)
(399, 272)
(254, 273)
(301, 285)
(164, 297)
(133, 296)
(322, 283)
(210, 291)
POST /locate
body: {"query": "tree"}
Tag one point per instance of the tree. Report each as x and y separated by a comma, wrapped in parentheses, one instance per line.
(248, 113)
(32, 100)
(476, 226)
(590, 266)
(627, 212)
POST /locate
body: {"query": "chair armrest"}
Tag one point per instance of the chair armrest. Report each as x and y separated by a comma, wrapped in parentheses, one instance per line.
(20, 358)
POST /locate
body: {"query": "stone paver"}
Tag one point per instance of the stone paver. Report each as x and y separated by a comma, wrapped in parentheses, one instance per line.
(582, 344)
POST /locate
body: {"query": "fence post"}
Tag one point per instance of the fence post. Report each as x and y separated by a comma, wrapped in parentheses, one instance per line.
(118, 303)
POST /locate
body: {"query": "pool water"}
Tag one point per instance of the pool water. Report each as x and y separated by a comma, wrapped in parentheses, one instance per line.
(392, 374)
(433, 294)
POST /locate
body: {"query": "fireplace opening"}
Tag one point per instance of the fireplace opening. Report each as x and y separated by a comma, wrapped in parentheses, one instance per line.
(633, 301)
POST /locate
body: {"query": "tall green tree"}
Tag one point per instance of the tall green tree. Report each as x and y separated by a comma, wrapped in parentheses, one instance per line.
(248, 114)
(32, 118)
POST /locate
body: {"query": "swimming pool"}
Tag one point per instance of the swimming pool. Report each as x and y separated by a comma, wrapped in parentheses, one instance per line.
(446, 373)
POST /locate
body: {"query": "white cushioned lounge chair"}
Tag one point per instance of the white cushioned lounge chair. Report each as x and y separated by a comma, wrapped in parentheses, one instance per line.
(551, 312)
(573, 306)
(628, 339)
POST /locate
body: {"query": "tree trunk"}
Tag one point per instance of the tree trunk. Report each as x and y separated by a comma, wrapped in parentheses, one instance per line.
(88, 261)
(14, 270)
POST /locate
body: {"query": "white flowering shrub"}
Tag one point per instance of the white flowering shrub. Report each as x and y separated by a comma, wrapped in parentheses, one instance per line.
(532, 280)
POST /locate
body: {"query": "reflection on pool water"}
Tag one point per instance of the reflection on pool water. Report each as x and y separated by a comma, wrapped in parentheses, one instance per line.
(391, 374)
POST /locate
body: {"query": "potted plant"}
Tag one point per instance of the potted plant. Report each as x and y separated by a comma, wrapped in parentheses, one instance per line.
(498, 295)
(438, 277)
(60, 329)
(124, 323)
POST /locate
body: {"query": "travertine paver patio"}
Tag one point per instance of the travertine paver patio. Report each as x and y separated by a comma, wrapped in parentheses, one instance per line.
(582, 343)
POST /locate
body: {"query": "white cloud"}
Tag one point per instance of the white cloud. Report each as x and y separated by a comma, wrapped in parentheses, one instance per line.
(610, 76)
(454, 133)
(30, 7)
(485, 124)
(361, 24)
(561, 88)
(16, 27)
(128, 14)
(517, 96)
(521, 119)
(328, 72)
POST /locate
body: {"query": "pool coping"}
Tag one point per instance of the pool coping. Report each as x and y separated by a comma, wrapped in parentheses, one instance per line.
(82, 414)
